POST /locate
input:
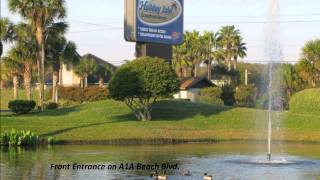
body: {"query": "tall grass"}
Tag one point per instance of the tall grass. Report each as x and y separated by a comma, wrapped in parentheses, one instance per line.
(19, 138)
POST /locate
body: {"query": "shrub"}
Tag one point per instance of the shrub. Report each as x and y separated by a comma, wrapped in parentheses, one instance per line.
(21, 106)
(246, 95)
(211, 100)
(211, 95)
(228, 95)
(52, 105)
(20, 138)
(141, 82)
(95, 94)
(89, 94)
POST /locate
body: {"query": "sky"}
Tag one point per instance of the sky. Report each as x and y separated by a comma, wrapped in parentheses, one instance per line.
(96, 26)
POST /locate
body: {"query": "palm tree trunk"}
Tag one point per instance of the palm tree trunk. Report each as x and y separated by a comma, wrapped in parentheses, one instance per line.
(180, 72)
(229, 65)
(235, 63)
(55, 81)
(180, 69)
(194, 70)
(185, 72)
(1, 48)
(85, 81)
(101, 82)
(313, 83)
(28, 79)
(209, 69)
(42, 77)
(40, 59)
(60, 76)
(81, 81)
(15, 81)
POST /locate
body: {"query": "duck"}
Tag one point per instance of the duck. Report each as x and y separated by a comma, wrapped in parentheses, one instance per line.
(207, 177)
(156, 176)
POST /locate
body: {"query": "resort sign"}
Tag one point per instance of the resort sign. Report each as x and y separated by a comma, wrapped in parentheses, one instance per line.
(154, 21)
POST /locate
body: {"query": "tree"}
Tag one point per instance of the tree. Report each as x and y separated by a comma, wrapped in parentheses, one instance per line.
(307, 72)
(211, 95)
(59, 51)
(15, 67)
(210, 42)
(291, 80)
(26, 59)
(309, 65)
(6, 32)
(103, 71)
(180, 61)
(246, 95)
(41, 14)
(240, 51)
(194, 50)
(232, 45)
(85, 68)
(25, 49)
(141, 83)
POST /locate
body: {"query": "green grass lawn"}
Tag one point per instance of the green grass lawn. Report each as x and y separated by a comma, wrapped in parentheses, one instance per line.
(111, 121)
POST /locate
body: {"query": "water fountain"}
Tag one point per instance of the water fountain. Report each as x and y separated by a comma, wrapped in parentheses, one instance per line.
(273, 54)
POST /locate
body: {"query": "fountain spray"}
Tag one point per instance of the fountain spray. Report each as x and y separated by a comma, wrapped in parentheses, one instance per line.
(270, 112)
(273, 54)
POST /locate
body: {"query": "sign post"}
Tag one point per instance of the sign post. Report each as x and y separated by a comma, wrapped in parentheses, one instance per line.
(155, 25)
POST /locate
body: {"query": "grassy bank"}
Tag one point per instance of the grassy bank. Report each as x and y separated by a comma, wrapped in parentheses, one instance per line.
(307, 101)
(174, 121)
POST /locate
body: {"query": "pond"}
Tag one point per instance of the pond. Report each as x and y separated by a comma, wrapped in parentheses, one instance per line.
(222, 161)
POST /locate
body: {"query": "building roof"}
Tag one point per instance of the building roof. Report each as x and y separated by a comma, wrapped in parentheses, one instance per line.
(198, 82)
(99, 60)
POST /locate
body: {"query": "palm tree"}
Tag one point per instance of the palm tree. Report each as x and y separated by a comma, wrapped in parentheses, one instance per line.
(210, 42)
(240, 50)
(308, 67)
(6, 32)
(25, 50)
(227, 37)
(41, 14)
(85, 68)
(59, 51)
(307, 72)
(180, 61)
(232, 45)
(14, 67)
(286, 79)
(102, 72)
(26, 59)
(194, 48)
(311, 53)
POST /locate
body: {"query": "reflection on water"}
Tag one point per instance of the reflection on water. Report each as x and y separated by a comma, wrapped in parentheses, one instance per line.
(222, 161)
